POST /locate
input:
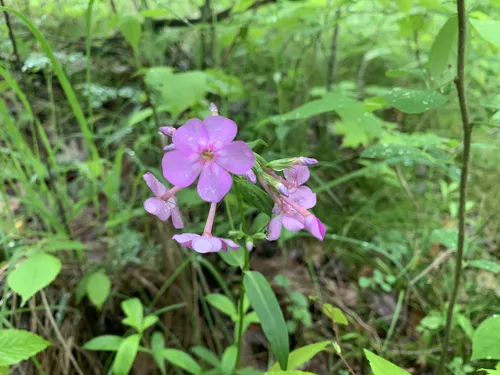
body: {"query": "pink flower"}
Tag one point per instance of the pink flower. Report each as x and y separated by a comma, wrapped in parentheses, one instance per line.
(315, 227)
(296, 176)
(164, 204)
(290, 212)
(205, 243)
(205, 148)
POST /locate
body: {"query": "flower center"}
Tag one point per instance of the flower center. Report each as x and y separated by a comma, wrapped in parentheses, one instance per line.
(207, 155)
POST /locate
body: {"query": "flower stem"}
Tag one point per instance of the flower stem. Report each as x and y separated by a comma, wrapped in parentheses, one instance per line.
(169, 193)
(246, 267)
(467, 137)
(297, 207)
(210, 219)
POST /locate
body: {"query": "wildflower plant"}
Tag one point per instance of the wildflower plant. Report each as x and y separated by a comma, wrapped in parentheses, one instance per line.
(206, 151)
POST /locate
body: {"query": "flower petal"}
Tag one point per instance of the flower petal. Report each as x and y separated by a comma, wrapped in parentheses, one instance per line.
(185, 238)
(237, 157)
(293, 223)
(226, 242)
(206, 244)
(304, 197)
(181, 169)
(297, 174)
(274, 228)
(221, 131)
(177, 218)
(191, 137)
(214, 183)
(315, 227)
(156, 186)
(157, 207)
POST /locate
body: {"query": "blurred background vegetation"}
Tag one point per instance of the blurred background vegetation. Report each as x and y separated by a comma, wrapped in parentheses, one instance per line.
(363, 86)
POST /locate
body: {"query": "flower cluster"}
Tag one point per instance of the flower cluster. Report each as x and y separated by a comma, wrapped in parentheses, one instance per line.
(206, 149)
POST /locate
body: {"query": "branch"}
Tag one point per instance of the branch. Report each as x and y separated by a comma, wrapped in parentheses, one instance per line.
(467, 132)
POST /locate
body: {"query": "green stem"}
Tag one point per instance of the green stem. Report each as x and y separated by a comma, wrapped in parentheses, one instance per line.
(467, 137)
(246, 267)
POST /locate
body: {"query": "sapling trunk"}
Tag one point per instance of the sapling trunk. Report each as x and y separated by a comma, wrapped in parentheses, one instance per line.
(467, 130)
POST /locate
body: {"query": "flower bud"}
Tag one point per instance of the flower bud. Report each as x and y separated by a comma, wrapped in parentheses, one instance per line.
(214, 110)
(301, 160)
(282, 189)
(170, 147)
(250, 176)
(250, 245)
(167, 131)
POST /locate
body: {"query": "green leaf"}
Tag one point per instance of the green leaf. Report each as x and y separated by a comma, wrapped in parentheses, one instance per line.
(148, 321)
(17, 345)
(98, 288)
(448, 237)
(335, 314)
(206, 354)
(64, 245)
(125, 355)
(490, 372)
(488, 29)
(157, 344)
(302, 355)
(106, 343)
(268, 310)
(235, 258)
(34, 274)
(381, 366)
(466, 325)
(254, 195)
(130, 27)
(443, 53)
(486, 342)
(405, 5)
(4, 370)
(133, 309)
(485, 264)
(229, 360)
(414, 101)
(289, 372)
(180, 359)
(223, 304)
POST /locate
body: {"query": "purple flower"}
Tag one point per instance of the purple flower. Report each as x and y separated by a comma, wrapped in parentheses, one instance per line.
(315, 227)
(205, 243)
(250, 176)
(296, 176)
(164, 204)
(302, 160)
(291, 212)
(167, 131)
(205, 148)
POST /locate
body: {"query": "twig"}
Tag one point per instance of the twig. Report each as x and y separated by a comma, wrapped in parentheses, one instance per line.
(113, 6)
(11, 36)
(333, 53)
(467, 135)
(339, 352)
(59, 335)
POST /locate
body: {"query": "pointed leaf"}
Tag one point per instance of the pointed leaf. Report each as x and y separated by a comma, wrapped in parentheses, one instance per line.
(157, 344)
(381, 366)
(485, 264)
(34, 274)
(335, 314)
(133, 309)
(255, 196)
(104, 343)
(223, 304)
(18, 345)
(125, 356)
(229, 360)
(443, 53)
(148, 322)
(130, 27)
(488, 29)
(207, 355)
(98, 288)
(180, 359)
(268, 310)
(302, 355)
(414, 101)
(486, 342)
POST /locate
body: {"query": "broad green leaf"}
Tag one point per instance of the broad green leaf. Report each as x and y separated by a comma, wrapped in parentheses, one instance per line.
(449, 238)
(335, 314)
(485, 264)
(358, 126)
(268, 310)
(414, 101)
(130, 27)
(34, 274)
(125, 356)
(223, 304)
(229, 360)
(180, 359)
(381, 366)
(207, 355)
(98, 288)
(224, 85)
(302, 355)
(488, 29)
(107, 343)
(443, 53)
(397, 153)
(18, 345)
(133, 309)
(157, 344)
(235, 258)
(148, 321)
(486, 342)
(184, 90)
(254, 195)
(405, 5)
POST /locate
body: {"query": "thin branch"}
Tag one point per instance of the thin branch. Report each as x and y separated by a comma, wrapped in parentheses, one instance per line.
(113, 6)
(333, 53)
(11, 36)
(467, 133)
(339, 353)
